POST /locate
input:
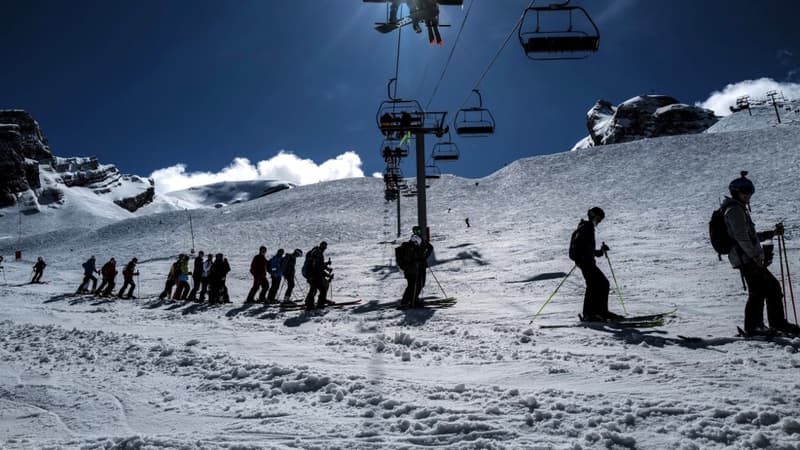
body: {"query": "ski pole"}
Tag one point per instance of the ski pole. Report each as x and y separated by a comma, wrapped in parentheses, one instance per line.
(619, 293)
(437, 282)
(783, 282)
(789, 279)
(553, 294)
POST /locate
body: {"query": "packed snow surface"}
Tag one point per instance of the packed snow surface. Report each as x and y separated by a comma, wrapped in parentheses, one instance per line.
(81, 372)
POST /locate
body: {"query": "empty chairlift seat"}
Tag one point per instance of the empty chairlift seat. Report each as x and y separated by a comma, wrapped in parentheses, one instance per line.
(557, 32)
(445, 151)
(475, 121)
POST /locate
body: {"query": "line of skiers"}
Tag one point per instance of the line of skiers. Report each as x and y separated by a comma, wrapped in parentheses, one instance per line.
(208, 276)
(732, 232)
(108, 273)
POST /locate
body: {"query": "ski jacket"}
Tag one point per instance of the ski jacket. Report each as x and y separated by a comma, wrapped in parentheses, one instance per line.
(39, 266)
(258, 267)
(315, 263)
(220, 269)
(109, 270)
(183, 272)
(129, 271)
(288, 265)
(89, 267)
(421, 250)
(742, 230)
(582, 245)
(207, 267)
(198, 271)
(275, 266)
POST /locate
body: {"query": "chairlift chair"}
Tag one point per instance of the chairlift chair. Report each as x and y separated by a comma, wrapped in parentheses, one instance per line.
(397, 116)
(432, 172)
(445, 150)
(560, 43)
(475, 121)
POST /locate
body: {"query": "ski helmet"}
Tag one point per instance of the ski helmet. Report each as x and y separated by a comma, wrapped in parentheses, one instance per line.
(596, 212)
(742, 185)
(416, 230)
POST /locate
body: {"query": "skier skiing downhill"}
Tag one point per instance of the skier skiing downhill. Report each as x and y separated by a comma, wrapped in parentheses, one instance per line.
(582, 251)
(38, 270)
(747, 255)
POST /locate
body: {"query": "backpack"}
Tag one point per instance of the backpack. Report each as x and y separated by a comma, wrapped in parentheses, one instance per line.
(404, 255)
(718, 232)
(573, 242)
(309, 263)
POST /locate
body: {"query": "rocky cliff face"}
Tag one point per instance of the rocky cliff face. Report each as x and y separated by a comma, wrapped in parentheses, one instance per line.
(643, 117)
(33, 177)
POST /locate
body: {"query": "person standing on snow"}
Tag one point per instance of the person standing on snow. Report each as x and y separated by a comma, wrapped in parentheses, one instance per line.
(318, 274)
(128, 273)
(288, 269)
(412, 257)
(197, 276)
(38, 270)
(258, 269)
(89, 270)
(172, 278)
(109, 273)
(582, 251)
(275, 274)
(216, 280)
(747, 255)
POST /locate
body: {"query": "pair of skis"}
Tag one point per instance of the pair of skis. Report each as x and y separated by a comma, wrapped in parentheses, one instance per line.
(643, 321)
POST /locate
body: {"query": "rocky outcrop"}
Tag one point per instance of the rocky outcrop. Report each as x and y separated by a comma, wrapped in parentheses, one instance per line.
(33, 177)
(641, 117)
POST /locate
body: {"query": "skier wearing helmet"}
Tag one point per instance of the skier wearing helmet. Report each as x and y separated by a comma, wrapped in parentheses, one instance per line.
(582, 251)
(747, 255)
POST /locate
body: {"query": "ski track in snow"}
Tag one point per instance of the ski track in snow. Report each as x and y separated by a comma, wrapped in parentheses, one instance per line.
(81, 372)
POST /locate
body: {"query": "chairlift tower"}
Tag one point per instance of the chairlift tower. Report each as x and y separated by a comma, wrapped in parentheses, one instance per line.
(398, 117)
(772, 95)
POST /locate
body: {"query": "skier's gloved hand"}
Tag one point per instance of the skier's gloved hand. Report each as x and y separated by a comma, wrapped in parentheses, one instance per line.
(604, 248)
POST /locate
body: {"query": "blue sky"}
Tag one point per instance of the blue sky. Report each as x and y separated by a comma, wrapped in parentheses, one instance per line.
(150, 84)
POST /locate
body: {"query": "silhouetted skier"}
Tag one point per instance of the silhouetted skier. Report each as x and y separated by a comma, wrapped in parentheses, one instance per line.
(258, 269)
(127, 274)
(38, 270)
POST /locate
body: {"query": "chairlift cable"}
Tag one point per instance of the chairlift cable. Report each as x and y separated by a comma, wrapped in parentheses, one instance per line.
(397, 62)
(450, 57)
(496, 55)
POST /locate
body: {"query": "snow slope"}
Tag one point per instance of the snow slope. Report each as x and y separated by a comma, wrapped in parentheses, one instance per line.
(76, 372)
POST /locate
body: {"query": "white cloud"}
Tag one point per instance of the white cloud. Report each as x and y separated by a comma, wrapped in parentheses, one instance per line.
(720, 101)
(284, 166)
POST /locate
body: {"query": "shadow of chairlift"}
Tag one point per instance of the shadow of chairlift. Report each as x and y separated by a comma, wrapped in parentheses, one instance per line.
(562, 42)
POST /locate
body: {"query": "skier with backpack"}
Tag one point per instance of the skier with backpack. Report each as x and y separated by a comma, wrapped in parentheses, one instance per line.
(733, 233)
(318, 273)
(38, 270)
(109, 273)
(89, 269)
(275, 274)
(128, 273)
(258, 269)
(412, 258)
(582, 250)
(288, 268)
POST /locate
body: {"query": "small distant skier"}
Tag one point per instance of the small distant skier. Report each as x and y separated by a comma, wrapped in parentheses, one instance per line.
(275, 274)
(204, 280)
(412, 257)
(89, 269)
(182, 278)
(127, 274)
(197, 276)
(318, 273)
(258, 269)
(216, 280)
(38, 270)
(582, 251)
(109, 274)
(172, 278)
(288, 269)
(747, 255)
(466, 220)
